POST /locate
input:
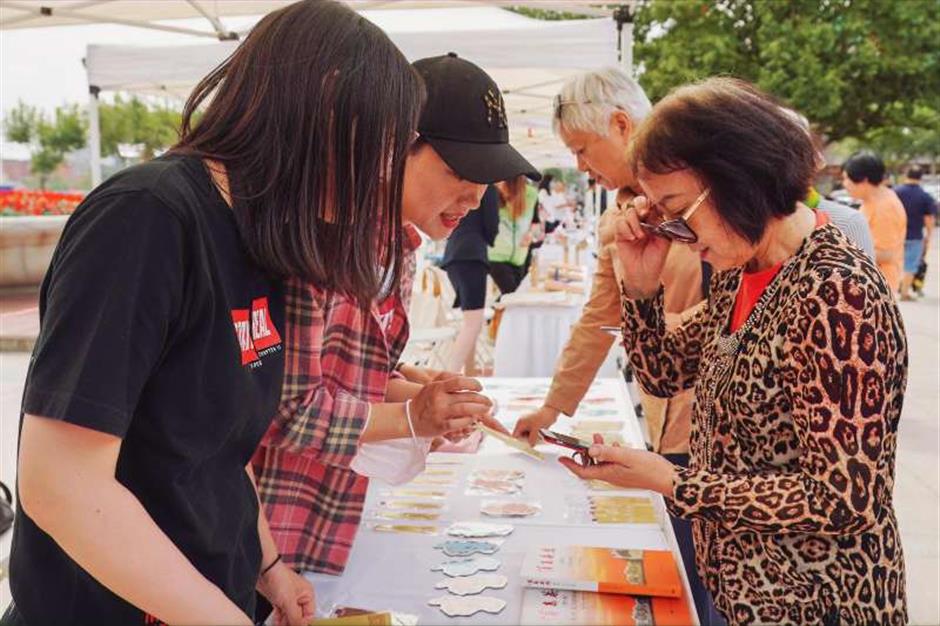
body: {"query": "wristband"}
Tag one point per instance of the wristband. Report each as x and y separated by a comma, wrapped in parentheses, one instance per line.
(271, 566)
(411, 427)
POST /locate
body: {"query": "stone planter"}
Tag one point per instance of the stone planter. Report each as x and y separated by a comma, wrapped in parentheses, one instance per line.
(26, 247)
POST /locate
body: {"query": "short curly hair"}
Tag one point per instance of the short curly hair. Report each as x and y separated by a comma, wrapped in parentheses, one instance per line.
(754, 156)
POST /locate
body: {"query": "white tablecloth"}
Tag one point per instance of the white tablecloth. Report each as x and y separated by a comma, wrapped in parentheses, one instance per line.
(532, 337)
(390, 571)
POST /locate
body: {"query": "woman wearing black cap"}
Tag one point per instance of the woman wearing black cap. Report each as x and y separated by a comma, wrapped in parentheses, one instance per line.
(160, 356)
(346, 414)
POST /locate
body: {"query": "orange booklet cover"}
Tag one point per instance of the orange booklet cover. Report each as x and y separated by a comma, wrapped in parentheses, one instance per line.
(605, 570)
(572, 608)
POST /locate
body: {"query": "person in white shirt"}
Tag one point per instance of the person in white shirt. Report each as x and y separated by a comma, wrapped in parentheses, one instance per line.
(554, 206)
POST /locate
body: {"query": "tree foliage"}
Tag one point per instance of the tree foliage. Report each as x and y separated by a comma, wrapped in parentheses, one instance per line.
(123, 121)
(134, 121)
(549, 15)
(21, 122)
(51, 138)
(850, 66)
(917, 140)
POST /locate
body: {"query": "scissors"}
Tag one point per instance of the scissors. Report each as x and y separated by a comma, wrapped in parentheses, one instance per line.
(580, 456)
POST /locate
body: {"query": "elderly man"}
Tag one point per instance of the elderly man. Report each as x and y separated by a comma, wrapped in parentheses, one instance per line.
(595, 114)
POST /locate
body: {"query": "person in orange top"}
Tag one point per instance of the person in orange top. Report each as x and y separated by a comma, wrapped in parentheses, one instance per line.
(862, 175)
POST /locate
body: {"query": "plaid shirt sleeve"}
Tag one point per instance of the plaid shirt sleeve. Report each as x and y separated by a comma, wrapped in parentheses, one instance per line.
(398, 336)
(313, 418)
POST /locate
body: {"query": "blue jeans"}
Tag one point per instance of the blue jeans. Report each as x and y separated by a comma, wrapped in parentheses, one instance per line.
(913, 251)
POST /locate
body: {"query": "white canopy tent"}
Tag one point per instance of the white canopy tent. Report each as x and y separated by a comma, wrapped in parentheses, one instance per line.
(154, 13)
(528, 58)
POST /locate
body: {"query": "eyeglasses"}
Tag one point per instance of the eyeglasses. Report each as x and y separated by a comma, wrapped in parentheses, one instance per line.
(558, 104)
(678, 229)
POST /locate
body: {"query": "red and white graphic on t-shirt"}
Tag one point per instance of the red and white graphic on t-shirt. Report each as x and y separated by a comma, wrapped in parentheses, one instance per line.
(255, 330)
(385, 312)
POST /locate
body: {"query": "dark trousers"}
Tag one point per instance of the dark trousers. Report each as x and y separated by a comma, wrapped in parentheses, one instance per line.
(507, 276)
(708, 615)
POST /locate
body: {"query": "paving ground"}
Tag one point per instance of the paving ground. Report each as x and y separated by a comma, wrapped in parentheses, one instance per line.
(917, 490)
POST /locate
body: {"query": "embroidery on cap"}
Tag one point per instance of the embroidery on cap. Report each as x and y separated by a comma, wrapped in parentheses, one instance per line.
(495, 109)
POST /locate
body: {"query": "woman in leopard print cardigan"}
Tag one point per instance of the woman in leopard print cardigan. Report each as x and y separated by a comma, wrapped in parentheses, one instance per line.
(799, 364)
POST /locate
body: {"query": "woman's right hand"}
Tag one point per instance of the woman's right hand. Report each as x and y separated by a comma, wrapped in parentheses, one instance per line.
(641, 256)
(449, 405)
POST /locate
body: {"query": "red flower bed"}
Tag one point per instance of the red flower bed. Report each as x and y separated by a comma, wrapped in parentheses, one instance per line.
(35, 202)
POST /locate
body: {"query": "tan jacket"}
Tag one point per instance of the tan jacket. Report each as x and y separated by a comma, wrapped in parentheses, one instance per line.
(668, 420)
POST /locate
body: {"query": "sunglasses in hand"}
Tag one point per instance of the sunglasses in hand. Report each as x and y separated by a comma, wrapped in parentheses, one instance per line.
(677, 229)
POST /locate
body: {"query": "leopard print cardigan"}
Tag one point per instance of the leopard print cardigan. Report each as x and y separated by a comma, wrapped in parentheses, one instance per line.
(792, 517)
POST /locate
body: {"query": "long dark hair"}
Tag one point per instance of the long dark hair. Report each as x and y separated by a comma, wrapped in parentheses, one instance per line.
(312, 117)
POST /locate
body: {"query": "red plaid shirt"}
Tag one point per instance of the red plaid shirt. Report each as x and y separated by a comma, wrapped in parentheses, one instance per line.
(338, 360)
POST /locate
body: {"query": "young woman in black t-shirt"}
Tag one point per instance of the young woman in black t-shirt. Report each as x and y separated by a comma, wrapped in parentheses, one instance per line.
(159, 361)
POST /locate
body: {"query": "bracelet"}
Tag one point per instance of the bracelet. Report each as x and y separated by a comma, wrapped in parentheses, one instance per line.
(408, 417)
(270, 567)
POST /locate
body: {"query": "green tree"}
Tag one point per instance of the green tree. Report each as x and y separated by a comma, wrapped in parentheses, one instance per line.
(898, 146)
(21, 122)
(51, 139)
(925, 135)
(850, 66)
(549, 15)
(136, 122)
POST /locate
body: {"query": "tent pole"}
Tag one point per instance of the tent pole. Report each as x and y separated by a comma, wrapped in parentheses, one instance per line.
(94, 138)
(626, 35)
(623, 15)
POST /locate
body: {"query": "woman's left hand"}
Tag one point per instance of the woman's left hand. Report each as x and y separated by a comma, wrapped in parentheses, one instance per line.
(626, 467)
(291, 595)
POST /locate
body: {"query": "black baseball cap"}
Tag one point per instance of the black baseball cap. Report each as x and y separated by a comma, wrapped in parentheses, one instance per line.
(464, 120)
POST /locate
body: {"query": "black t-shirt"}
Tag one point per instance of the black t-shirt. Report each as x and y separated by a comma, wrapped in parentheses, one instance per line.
(475, 232)
(156, 328)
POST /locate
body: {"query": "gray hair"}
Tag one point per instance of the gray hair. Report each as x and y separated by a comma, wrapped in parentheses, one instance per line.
(589, 99)
(803, 122)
